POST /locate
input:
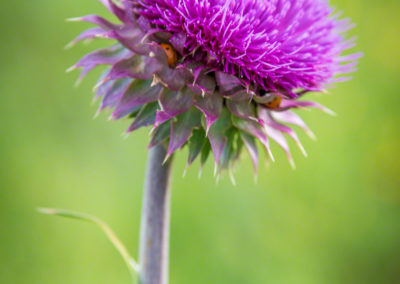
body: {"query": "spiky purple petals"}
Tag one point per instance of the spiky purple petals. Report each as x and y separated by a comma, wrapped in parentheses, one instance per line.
(278, 44)
(241, 66)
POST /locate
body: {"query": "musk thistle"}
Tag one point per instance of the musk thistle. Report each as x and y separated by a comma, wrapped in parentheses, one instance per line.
(217, 75)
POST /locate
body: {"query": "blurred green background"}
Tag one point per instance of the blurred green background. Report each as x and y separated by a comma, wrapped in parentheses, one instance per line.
(336, 219)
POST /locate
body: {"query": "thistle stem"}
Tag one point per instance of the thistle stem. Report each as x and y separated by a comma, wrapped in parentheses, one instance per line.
(154, 233)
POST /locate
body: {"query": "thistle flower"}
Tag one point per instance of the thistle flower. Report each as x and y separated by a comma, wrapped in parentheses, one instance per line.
(217, 75)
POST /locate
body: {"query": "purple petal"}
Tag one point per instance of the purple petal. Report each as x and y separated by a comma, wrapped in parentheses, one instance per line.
(97, 20)
(228, 84)
(114, 92)
(197, 69)
(211, 106)
(242, 109)
(276, 135)
(242, 95)
(216, 134)
(138, 93)
(135, 67)
(102, 85)
(293, 118)
(228, 154)
(172, 104)
(143, 24)
(88, 34)
(185, 73)
(113, 8)
(145, 117)
(253, 128)
(132, 38)
(181, 129)
(251, 147)
(128, 7)
(268, 121)
(157, 35)
(288, 104)
(108, 56)
(178, 41)
(204, 85)
(171, 78)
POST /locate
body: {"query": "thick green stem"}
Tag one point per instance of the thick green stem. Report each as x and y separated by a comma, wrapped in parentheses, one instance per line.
(154, 233)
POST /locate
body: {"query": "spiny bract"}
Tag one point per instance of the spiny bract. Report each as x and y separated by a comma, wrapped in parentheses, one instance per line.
(217, 75)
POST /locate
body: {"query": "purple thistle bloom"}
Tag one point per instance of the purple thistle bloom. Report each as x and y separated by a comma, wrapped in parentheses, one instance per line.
(277, 45)
(217, 75)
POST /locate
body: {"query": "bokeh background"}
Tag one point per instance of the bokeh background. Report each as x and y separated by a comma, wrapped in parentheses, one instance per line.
(336, 219)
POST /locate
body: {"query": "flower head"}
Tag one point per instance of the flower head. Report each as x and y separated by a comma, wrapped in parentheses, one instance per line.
(217, 75)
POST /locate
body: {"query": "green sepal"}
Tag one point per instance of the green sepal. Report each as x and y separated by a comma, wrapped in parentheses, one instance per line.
(134, 113)
(205, 152)
(229, 151)
(145, 117)
(160, 134)
(196, 143)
